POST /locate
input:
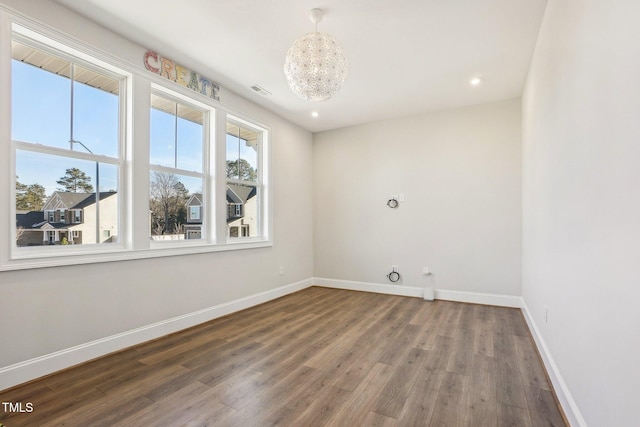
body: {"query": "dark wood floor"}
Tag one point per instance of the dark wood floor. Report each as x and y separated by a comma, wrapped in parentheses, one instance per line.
(319, 357)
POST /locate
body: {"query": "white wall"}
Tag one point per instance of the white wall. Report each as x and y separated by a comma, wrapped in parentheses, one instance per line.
(51, 309)
(581, 185)
(459, 171)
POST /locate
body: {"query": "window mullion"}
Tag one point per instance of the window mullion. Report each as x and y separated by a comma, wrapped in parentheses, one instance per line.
(140, 216)
(219, 196)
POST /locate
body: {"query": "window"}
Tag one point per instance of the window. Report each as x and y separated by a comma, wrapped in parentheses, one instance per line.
(244, 181)
(177, 138)
(194, 213)
(67, 144)
(75, 174)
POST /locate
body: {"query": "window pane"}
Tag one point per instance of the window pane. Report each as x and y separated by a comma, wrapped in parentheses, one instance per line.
(242, 153)
(41, 97)
(176, 134)
(174, 200)
(95, 111)
(42, 108)
(242, 210)
(162, 149)
(56, 201)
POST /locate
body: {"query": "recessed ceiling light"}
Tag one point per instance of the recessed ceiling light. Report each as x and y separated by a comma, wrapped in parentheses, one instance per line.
(475, 81)
(314, 114)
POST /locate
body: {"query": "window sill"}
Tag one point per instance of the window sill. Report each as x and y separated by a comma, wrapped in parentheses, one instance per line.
(120, 254)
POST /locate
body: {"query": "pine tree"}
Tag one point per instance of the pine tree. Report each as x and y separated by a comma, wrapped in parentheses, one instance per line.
(29, 197)
(75, 181)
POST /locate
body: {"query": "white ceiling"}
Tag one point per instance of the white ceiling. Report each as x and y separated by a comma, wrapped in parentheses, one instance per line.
(405, 56)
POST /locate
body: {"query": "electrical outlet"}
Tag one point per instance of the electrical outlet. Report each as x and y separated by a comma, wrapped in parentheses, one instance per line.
(426, 271)
(546, 314)
(281, 270)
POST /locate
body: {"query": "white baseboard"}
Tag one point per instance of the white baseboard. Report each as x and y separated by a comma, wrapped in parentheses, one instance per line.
(479, 298)
(569, 406)
(409, 291)
(34, 368)
(406, 291)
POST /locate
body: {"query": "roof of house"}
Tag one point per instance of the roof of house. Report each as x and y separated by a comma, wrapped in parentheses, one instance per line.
(71, 200)
(237, 193)
(27, 219)
(195, 200)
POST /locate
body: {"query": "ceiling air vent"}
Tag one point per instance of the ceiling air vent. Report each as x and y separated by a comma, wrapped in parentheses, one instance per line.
(260, 90)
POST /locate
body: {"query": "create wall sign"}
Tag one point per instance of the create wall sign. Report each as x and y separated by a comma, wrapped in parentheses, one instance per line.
(177, 73)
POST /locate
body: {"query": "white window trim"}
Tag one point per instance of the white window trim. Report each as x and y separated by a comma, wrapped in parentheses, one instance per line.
(265, 220)
(207, 236)
(132, 245)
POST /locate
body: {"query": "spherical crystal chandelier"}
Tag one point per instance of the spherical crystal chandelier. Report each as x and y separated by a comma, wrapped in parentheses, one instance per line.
(315, 65)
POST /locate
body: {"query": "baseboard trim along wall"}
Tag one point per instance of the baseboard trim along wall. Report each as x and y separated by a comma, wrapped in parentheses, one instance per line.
(405, 291)
(22, 372)
(410, 291)
(569, 406)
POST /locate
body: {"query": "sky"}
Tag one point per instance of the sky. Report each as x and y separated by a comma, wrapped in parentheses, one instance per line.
(41, 114)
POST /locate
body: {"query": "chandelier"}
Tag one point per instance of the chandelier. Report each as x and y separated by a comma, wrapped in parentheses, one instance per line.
(315, 65)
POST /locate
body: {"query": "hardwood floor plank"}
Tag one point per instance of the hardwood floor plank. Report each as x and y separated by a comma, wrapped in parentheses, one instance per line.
(448, 407)
(422, 401)
(429, 330)
(512, 416)
(483, 337)
(397, 346)
(517, 323)
(359, 403)
(460, 358)
(356, 369)
(312, 358)
(542, 408)
(323, 406)
(500, 319)
(452, 319)
(481, 407)
(529, 364)
(396, 392)
(179, 408)
(467, 317)
(439, 356)
(509, 387)
(424, 313)
(376, 420)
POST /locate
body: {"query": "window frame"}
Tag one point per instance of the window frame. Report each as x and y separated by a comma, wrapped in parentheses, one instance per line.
(30, 36)
(261, 183)
(209, 113)
(137, 84)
